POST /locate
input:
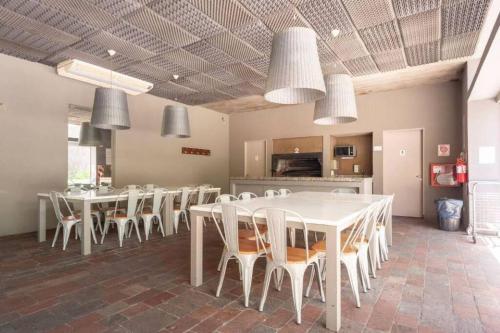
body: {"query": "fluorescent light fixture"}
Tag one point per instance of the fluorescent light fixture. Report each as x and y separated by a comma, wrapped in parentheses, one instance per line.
(102, 77)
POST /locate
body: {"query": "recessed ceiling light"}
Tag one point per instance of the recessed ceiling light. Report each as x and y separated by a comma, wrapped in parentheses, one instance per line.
(175, 76)
(335, 32)
(111, 52)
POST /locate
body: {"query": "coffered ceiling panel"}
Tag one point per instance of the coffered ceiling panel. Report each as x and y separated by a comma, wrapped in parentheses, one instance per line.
(220, 49)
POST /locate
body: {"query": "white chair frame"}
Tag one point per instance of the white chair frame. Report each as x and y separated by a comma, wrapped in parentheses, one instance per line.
(271, 194)
(186, 193)
(247, 196)
(284, 192)
(149, 218)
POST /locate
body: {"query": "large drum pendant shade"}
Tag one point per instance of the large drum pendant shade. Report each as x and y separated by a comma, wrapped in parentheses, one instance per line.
(110, 109)
(294, 74)
(89, 135)
(339, 105)
(175, 122)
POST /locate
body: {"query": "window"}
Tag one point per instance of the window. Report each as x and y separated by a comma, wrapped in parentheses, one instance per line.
(81, 159)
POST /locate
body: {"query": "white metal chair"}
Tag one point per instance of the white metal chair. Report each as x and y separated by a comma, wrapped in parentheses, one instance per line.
(183, 208)
(247, 196)
(149, 215)
(282, 257)
(271, 193)
(149, 187)
(66, 222)
(123, 220)
(225, 198)
(245, 251)
(284, 192)
(344, 190)
(381, 232)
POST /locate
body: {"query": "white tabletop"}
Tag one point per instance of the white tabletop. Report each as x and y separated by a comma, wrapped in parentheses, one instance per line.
(314, 207)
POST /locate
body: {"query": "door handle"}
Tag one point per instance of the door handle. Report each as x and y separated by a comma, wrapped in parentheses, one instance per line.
(419, 177)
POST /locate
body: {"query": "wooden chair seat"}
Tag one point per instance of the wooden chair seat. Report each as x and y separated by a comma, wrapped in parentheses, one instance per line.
(250, 233)
(297, 255)
(71, 218)
(248, 246)
(320, 246)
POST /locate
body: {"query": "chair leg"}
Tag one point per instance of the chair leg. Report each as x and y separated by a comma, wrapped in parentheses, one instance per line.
(311, 278)
(320, 282)
(187, 220)
(363, 270)
(352, 272)
(247, 263)
(297, 280)
(121, 232)
(265, 286)
(221, 261)
(160, 225)
(278, 277)
(105, 231)
(135, 224)
(147, 225)
(66, 234)
(222, 275)
(56, 234)
(372, 255)
(176, 222)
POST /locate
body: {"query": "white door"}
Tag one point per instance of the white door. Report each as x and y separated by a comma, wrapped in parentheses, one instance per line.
(255, 158)
(402, 170)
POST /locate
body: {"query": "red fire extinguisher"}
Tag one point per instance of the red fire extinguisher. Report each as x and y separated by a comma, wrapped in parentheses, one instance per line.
(461, 169)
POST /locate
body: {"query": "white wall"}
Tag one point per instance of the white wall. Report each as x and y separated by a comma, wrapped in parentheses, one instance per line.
(33, 141)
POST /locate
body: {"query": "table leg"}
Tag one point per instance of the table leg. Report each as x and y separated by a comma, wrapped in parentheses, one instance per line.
(196, 250)
(42, 219)
(86, 237)
(333, 303)
(168, 212)
(388, 227)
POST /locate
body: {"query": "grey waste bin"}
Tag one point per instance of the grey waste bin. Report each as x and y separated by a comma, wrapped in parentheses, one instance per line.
(449, 212)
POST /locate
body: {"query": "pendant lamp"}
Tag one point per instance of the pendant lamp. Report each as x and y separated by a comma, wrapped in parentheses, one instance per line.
(339, 105)
(294, 74)
(110, 109)
(175, 122)
(89, 135)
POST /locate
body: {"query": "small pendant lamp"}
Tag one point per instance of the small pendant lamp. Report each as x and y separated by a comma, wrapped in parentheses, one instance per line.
(339, 105)
(89, 135)
(175, 122)
(110, 109)
(294, 74)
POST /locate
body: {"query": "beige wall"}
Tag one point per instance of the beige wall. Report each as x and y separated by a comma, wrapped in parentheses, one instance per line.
(33, 141)
(435, 108)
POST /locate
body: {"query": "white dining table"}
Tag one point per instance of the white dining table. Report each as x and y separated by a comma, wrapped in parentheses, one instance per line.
(322, 212)
(83, 201)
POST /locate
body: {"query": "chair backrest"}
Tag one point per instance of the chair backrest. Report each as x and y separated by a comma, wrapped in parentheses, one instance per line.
(224, 198)
(284, 192)
(344, 190)
(246, 196)
(133, 204)
(358, 230)
(384, 215)
(157, 200)
(149, 187)
(229, 221)
(277, 231)
(201, 194)
(376, 209)
(185, 192)
(103, 189)
(55, 198)
(206, 185)
(132, 187)
(271, 193)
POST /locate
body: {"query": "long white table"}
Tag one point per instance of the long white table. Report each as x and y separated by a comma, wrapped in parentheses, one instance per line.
(323, 212)
(84, 200)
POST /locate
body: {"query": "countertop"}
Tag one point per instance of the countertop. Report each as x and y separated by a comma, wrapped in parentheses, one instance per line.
(353, 178)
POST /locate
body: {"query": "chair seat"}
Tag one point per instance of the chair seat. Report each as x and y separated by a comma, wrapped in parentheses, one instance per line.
(70, 218)
(250, 233)
(297, 255)
(250, 247)
(119, 216)
(320, 246)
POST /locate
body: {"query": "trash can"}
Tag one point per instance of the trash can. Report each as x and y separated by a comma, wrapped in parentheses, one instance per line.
(449, 213)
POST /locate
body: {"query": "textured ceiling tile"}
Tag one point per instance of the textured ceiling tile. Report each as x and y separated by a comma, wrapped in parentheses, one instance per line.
(28, 40)
(172, 90)
(224, 76)
(390, 61)
(411, 7)
(244, 72)
(325, 16)
(188, 60)
(421, 28)
(381, 38)
(228, 13)
(187, 16)
(156, 74)
(325, 54)
(283, 20)
(347, 46)
(82, 10)
(243, 89)
(204, 97)
(210, 53)
(139, 37)
(264, 8)
(460, 17)
(50, 16)
(257, 35)
(115, 62)
(117, 7)
(201, 82)
(160, 61)
(16, 50)
(129, 50)
(233, 46)
(157, 25)
(366, 13)
(334, 68)
(100, 51)
(361, 66)
(259, 64)
(459, 46)
(422, 53)
(139, 74)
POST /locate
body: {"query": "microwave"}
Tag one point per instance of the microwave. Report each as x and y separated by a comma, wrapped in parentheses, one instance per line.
(344, 151)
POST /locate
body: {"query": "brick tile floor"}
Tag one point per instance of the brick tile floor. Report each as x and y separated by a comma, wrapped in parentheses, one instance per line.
(435, 281)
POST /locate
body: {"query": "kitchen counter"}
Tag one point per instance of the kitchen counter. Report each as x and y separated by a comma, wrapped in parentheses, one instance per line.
(258, 185)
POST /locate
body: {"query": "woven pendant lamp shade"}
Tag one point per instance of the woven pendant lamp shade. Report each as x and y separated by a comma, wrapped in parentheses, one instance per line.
(110, 109)
(339, 105)
(175, 122)
(89, 135)
(294, 74)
